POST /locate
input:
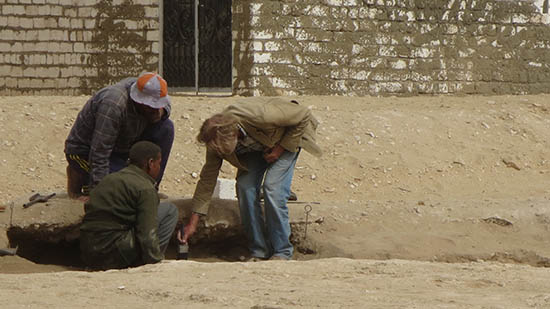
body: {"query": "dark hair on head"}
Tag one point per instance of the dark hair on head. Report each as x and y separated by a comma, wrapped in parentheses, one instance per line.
(141, 152)
(219, 133)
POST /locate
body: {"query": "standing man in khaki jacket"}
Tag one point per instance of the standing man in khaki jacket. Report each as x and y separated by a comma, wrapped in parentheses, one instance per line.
(262, 139)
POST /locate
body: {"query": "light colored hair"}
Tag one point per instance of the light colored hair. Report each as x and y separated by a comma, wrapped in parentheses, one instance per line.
(219, 133)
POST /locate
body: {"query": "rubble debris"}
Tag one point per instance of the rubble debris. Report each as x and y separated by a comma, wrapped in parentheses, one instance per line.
(511, 164)
(497, 221)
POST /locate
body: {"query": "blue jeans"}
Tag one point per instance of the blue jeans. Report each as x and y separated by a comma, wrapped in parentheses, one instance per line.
(160, 133)
(167, 215)
(270, 236)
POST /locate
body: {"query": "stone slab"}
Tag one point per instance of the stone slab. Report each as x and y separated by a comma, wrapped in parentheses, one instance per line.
(59, 218)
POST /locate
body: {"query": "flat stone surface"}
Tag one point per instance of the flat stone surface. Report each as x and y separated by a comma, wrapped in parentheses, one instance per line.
(61, 215)
(58, 211)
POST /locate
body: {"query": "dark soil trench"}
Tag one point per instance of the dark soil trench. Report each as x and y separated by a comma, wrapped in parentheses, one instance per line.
(51, 246)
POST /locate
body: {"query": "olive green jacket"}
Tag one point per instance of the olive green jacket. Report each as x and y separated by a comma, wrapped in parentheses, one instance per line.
(120, 221)
(270, 121)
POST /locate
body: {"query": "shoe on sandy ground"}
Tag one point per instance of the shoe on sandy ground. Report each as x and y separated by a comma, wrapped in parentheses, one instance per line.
(253, 259)
(250, 259)
(278, 258)
(162, 196)
(293, 196)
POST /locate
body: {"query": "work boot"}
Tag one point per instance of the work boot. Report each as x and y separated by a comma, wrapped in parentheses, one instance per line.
(278, 258)
(75, 181)
(292, 196)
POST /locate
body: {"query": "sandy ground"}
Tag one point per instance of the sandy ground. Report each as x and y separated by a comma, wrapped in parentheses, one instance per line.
(424, 202)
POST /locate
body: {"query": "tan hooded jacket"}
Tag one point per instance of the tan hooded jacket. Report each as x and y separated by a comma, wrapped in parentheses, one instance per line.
(270, 121)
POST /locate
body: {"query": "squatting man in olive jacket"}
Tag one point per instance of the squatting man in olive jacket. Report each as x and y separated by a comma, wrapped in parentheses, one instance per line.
(262, 139)
(124, 224)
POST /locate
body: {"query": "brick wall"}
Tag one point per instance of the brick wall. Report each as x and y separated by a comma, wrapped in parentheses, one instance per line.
(391, 47)
(72, 47)
(289, 47)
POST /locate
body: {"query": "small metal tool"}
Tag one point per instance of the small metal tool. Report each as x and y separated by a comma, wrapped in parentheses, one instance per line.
(37, 198)
(9, 251)
(295, 202)
(307, 210)
(11, 212)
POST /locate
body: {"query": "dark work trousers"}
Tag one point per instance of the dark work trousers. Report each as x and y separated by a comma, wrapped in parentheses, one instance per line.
(160, 133)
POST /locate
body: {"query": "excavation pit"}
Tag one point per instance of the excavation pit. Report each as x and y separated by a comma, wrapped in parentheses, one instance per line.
(48, 233)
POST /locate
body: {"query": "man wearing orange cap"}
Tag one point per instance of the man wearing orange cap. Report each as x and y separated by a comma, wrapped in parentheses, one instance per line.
(114, 119)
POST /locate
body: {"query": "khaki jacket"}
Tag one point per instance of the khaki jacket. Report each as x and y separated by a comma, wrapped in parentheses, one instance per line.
(270, 121)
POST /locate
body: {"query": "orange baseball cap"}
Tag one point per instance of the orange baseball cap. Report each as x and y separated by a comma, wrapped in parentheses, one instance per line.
(150, 89)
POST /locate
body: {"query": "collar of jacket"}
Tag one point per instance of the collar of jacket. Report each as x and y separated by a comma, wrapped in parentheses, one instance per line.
(139, 171)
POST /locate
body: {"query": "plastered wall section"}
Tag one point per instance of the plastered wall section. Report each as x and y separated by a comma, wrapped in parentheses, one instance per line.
(390, 47)
(290, 47)
(70, 47)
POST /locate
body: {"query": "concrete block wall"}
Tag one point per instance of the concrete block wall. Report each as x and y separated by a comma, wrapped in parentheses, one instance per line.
(69, 47)
(391, 47)
(289, 47)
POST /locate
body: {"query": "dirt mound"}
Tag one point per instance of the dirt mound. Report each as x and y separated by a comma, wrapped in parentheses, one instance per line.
(430, 179)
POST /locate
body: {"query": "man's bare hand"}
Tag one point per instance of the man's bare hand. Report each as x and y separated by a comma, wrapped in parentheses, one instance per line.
(83, 198)
(189, 229)
(157, 115)
(273, 154)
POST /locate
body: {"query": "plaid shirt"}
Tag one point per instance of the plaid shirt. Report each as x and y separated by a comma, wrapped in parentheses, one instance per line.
(108, 123)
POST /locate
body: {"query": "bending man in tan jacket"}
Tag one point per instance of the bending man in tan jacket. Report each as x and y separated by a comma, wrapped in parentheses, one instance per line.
(262, 139)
